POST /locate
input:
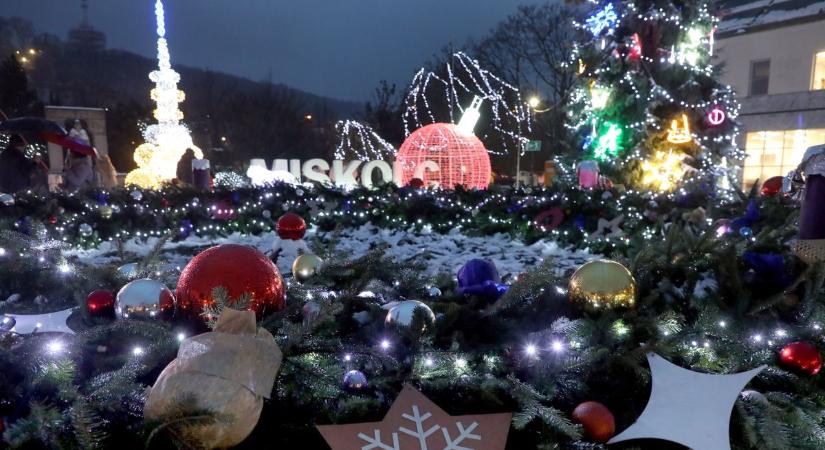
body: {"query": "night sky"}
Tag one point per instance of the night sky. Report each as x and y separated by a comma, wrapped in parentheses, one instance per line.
(337, 48)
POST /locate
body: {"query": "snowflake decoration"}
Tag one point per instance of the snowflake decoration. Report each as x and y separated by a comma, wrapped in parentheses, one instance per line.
(415, 423)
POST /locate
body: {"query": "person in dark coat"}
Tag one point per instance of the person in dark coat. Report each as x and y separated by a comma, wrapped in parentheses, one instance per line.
(17, 172)
(184, 171)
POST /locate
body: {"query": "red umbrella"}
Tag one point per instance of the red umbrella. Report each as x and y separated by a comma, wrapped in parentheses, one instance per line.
(71, 144)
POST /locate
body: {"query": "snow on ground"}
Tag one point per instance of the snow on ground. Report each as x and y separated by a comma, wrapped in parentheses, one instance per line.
(443, 252)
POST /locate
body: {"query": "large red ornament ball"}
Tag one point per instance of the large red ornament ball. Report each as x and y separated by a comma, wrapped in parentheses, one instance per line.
(801, 356)
(101, 303)
(772, 186)
(291, 226)
(598, 422)
(239, 269)
(461, 157)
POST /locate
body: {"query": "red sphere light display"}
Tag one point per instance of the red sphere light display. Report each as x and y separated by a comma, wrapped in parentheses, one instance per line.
(291, 226)
(461, 157)
(239, 269)
(801, 356)
(598, 422)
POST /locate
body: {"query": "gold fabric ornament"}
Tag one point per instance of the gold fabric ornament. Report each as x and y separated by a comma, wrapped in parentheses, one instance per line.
(228, 371)
(603, 284)
(306, 266)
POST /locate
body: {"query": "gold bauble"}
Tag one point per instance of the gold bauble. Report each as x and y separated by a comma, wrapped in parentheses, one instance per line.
(105, 212)
(603, 284)
(306, 266)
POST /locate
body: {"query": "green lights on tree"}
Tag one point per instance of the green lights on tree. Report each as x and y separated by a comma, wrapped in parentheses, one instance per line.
(606, 143)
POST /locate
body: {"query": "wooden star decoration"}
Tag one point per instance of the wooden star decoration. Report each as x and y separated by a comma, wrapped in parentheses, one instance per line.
(416, 423)
(687, 407)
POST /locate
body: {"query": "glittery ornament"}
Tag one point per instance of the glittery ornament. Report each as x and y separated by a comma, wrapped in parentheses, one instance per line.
(100, 303)
(7, 199)
(291, 226)
(801, 356)
(354, 380)
(237, 268)
(145, 299)
(603, 284)
(136, 195)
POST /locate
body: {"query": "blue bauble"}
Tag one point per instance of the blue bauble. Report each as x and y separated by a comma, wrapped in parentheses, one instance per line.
(480, 277)
(355, 380)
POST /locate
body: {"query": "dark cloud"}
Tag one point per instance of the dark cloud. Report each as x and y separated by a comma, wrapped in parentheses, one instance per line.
(339, 48)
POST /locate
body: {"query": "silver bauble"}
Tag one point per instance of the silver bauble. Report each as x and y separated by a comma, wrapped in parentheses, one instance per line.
(129, 271)
(144, 298)
(85, 229)
(355, 380)
(401, 315)
(7, 199)
(136, 195)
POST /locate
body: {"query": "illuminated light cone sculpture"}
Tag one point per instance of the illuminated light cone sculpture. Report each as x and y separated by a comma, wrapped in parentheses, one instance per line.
(167, 140)
(461, 157)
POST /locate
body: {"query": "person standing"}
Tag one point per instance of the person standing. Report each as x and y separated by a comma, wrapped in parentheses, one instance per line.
(17, 172)
(79, 172)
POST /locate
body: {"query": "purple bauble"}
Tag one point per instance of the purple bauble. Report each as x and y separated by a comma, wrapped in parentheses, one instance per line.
(480, 277)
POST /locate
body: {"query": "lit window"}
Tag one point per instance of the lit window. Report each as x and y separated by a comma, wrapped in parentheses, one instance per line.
(819, 71)
(772, 153)
(760, 77)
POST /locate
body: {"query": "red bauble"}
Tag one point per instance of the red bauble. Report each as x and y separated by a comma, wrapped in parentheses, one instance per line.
(239, 269)
(100, 303)
(598, 422)
(461, 157)
(291, 226)
(416, 183)
(801, 356)
(772, 186)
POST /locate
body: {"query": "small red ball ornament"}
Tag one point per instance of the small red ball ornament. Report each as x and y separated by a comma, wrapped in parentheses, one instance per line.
(291, 227)
(416, 183)
(100, 303)
(239, 269)
(772, 186)
(598, 422)
(801, 356)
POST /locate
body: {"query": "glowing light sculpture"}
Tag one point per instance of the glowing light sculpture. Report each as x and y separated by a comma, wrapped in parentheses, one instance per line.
(461, 157)
(167, 140)
(604, 19)
(679, 134)
(663, 171)
(606, 144)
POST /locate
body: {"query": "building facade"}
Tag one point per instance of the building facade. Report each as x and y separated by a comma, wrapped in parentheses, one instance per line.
(773, 54)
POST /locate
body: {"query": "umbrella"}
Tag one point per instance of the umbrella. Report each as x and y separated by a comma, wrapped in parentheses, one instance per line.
(31, 126)
(69, 143)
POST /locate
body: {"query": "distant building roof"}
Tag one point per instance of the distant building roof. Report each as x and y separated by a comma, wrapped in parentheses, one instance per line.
(742, 16)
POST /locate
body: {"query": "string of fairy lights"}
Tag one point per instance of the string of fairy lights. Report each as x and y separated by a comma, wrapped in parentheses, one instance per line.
(465, 78)
(360, 141)
(614, 134)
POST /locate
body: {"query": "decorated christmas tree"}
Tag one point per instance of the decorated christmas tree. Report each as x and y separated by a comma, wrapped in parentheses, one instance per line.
(648, 106)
